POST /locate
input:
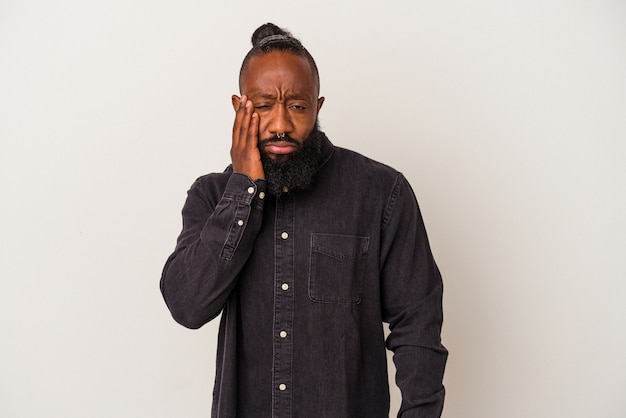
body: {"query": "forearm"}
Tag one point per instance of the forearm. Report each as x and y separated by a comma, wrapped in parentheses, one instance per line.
(215, 243)
(419, 374)
(419, 356)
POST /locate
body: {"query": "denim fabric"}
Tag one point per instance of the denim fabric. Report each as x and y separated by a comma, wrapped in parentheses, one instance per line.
(304, 283)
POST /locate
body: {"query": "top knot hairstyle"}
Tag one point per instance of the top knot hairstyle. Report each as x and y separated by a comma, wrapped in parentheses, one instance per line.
(269, 37)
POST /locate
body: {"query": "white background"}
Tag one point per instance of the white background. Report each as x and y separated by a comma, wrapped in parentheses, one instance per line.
(508, 118)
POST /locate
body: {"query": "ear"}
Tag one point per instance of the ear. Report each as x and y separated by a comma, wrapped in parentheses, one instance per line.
(320, 102)
(236, 100)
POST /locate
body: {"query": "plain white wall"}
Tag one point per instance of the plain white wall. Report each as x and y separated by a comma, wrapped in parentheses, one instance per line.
(508, 118)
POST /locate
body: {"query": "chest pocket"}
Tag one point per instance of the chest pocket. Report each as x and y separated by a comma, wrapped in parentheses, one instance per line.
(337, 268)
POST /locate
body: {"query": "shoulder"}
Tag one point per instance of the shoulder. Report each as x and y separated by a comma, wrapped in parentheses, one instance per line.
(212, 185)
(378, 181)
(356, 165)
(211, 180)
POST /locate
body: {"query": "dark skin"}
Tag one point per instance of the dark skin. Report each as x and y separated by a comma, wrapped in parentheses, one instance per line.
(279, 95)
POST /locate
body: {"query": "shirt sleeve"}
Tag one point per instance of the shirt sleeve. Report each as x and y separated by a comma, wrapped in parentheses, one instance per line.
(412, 293)
(217, 239)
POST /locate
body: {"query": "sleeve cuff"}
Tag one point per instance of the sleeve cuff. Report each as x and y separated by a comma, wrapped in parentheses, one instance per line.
(243, 189)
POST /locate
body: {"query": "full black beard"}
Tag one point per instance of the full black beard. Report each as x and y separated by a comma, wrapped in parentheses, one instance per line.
(297, 172)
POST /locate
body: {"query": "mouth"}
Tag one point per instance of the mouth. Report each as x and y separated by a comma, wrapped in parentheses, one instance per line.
(280, 147)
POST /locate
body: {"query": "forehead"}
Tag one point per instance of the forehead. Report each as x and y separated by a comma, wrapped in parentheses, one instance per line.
(279, 72)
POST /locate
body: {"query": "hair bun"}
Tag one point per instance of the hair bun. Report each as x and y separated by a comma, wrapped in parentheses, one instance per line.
(266, 30)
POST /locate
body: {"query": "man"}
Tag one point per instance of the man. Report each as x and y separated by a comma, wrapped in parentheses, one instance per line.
(306, 248)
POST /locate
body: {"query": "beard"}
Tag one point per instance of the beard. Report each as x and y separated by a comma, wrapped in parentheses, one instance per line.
(297, 171)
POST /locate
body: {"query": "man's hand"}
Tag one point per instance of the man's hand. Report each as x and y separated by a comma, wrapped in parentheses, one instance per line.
(244, 152)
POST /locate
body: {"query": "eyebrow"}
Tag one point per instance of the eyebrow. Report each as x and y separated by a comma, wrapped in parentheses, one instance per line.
(288, 96)
(264, 95)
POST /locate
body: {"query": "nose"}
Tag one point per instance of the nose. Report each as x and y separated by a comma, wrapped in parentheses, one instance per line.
(280, 120)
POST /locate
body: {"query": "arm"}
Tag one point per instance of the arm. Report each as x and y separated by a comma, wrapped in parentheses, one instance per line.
(412, 305)
(219, 230)
(216, 241)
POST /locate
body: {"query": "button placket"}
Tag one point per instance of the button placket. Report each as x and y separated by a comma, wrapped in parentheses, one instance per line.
(283, 308)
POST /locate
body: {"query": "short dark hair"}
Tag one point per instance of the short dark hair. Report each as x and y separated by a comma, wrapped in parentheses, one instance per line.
(269, 37)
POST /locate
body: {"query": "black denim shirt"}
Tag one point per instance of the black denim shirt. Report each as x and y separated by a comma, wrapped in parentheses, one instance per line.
(304, 283)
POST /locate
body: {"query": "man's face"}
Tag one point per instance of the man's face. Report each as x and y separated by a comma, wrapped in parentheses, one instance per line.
(284, 92)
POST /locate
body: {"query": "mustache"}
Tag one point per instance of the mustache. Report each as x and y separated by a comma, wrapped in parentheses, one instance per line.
(273, 139)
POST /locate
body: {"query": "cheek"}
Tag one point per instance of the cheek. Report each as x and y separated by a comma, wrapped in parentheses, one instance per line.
(263, 127)
(305, 125)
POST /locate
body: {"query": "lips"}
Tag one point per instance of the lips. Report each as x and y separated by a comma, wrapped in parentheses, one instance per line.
(280, 147)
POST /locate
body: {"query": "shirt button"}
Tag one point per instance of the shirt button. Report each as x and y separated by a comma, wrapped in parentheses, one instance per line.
(261, 195)
(282, 386)
(285, 286)
(283, 334)
(240, 222)
(250, 189)
(285, 189)
(284, 235)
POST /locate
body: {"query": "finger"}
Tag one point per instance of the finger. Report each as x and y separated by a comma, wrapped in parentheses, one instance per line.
(246, 111)
(245, 124)
(239, 122)
(253, 132)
